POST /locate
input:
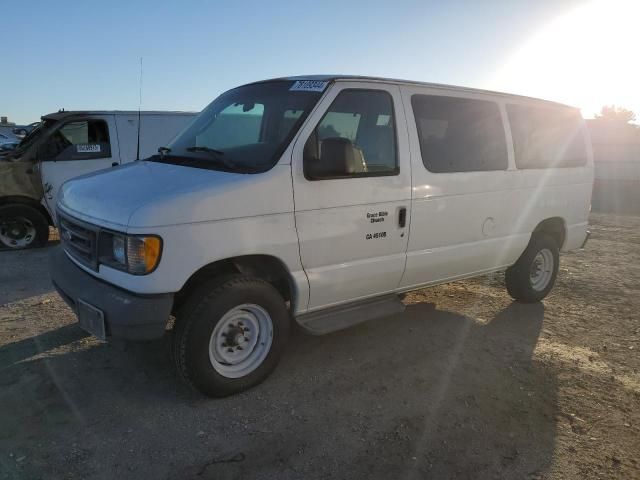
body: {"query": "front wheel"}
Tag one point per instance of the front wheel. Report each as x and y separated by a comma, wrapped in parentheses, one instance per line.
(532, 277)
(22, 226)
(230, 334)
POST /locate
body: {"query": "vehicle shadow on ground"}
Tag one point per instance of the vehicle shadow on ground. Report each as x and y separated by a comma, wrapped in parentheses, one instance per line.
(24, 273)
(424, 394)
(45, 342)
(447, 396)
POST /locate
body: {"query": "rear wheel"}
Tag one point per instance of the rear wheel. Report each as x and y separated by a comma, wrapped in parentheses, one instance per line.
(230, 335)
(532, 277)
(22, 226)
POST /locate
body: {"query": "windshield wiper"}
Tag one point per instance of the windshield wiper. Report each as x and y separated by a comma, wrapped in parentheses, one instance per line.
(214, 159)
(218, 156)
(207, 163)
(205, 149)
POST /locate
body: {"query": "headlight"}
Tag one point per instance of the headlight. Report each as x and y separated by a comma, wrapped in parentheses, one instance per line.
(119, 244)
(137, 254)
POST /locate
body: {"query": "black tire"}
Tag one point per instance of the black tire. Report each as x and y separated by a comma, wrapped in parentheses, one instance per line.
(32, 228)
(197, 319)
(518, 277)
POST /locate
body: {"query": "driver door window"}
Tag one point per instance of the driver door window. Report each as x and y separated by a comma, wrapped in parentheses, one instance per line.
(355, 138)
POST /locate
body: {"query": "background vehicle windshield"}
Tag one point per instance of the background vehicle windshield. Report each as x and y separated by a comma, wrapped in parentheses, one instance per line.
(246, 128)
(31, 137)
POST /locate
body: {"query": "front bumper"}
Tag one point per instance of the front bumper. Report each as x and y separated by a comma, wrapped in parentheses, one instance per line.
(126, 315)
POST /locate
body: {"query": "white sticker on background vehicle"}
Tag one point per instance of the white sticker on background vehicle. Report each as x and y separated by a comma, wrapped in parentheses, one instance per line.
(308, 86)
(88, 148)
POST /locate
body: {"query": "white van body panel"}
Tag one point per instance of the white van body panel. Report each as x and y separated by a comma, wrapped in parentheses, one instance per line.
(461, 221)
(468, 223)
(151, 194)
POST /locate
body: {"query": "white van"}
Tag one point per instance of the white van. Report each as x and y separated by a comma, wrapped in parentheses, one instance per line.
(65, 145)
(320, 200)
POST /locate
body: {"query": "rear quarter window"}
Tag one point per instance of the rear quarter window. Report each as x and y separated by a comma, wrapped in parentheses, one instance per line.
(547, 137)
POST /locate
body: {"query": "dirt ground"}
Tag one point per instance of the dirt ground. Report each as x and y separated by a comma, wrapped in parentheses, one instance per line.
(464, 384)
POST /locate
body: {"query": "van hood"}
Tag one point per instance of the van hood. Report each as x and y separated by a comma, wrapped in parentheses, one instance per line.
(151, 194)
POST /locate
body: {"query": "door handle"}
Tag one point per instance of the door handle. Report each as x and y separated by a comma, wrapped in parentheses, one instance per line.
(402, 217)
(114, 164)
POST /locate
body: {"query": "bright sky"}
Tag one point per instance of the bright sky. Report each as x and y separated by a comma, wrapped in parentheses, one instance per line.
(85, 55)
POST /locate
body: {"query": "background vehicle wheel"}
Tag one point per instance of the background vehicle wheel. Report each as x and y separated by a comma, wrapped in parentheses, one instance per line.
(230, 335)
(532, 277)
(22, 226)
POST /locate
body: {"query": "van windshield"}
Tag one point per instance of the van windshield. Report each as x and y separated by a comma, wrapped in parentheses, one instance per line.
(245, 129)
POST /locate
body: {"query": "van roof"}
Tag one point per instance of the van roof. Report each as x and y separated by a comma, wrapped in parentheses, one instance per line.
(76, 113)
(395, 81)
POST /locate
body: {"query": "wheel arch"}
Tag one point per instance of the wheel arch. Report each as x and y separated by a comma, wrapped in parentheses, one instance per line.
(23, 200)
(555, 227)
(266, 267)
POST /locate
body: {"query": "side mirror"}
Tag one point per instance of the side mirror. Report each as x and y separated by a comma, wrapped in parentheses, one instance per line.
(333, 157)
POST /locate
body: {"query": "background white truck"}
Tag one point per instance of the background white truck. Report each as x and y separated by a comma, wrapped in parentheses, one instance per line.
(65, 145)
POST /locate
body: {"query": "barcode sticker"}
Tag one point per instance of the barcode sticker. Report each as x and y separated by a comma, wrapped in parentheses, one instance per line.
(88, 148)
(309, 86)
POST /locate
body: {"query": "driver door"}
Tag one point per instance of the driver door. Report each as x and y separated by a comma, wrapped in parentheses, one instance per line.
(352, 211)
(78, 147)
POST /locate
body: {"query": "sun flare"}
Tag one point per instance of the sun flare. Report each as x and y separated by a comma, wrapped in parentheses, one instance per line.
(587, 57)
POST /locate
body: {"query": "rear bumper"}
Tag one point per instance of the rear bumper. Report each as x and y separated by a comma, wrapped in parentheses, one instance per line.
(127, 315)
(586, 239)
(576, 236)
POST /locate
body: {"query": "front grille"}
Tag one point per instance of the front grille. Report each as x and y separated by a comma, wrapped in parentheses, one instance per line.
(79, 240)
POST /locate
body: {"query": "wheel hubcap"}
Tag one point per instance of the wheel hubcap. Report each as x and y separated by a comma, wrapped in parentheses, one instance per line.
(17, 232)
(241, 341)
(541, 270)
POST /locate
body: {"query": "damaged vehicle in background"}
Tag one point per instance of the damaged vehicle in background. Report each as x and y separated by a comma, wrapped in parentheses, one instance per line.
(5, 148)
(7, 140)
(23, 130)
(65, 145)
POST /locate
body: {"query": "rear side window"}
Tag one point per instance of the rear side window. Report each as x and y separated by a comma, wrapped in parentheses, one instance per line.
(545, 137)
(80, 140)
(356, 137)
(459, 134)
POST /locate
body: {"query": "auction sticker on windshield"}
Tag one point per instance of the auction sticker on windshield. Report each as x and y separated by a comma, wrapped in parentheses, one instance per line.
(308, 86)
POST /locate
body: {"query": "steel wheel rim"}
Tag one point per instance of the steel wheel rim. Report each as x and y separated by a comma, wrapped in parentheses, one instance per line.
(241, 341)
(541, 270)
(18, 232)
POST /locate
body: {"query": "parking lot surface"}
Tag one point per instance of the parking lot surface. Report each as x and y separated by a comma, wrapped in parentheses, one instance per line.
(464, 384)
